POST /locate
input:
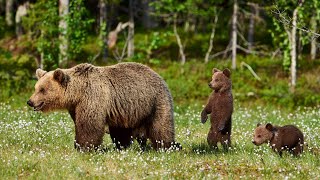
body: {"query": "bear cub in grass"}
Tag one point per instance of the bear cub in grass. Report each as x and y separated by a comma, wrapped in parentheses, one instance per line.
(220, 107)
(130, 99)
(287, 137)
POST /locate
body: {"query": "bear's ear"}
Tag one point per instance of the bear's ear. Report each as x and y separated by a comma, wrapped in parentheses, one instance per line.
(214, 70)
(259, 124)
(227, 72)
(60, 77)
(40, 73)
(269, 127)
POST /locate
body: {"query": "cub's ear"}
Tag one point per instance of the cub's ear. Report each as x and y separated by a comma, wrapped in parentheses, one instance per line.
(40, 73)
(269, 127)
(227, 72)
(61, 77)
(259, 124)
(214, 70)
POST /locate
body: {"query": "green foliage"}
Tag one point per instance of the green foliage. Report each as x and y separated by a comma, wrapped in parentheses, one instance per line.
(168, 6)
(42, 26)
(15, 74)
(149, 47)
(281, 14)
(78, 22)
(2, 27)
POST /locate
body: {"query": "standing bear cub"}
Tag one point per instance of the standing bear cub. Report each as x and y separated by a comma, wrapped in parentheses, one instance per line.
(282, 138)
(129, 98)
(220, 107)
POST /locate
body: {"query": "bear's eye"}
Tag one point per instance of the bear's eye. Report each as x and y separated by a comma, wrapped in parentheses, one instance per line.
(216, 80)
(259, 136)
(42, 90)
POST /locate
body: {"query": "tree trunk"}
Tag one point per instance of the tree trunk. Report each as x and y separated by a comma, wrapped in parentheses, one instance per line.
(9, 12)
(103, 28)
(206, 59)
(293, 48)
(2, 6)
(22, 11)
(313, 51)
(254, 13)
(131, 30)
(234, 34)
(147, 20)
(183, 57)
(63, 12)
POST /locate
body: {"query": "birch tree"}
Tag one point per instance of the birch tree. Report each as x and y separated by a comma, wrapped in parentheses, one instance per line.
(234, 34)
(9, 12)
(130, 51)
(103, 28)
(292, 22)
(63, 12)
(253, 16)
(313, 48)
(293, 48)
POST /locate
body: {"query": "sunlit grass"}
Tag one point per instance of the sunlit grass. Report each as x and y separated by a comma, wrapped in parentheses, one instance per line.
(40, 146)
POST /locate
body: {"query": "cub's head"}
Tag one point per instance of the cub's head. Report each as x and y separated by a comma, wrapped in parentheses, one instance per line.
(220, 80)
(263, 134)
(49, 90)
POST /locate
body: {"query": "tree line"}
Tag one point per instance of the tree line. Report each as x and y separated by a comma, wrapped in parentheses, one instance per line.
(59, 30)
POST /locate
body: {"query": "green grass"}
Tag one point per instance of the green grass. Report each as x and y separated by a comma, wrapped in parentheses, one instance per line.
(40, 146)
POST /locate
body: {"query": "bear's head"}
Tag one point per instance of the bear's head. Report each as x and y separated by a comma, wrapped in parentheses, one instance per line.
(221, 81)
(263, 134)
(49, 90)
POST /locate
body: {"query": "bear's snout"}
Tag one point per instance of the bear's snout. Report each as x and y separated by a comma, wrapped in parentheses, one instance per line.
(209, 84)
(30, 103)
(254, 142)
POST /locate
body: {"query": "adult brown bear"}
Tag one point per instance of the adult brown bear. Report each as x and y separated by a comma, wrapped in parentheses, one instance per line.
(129, 98)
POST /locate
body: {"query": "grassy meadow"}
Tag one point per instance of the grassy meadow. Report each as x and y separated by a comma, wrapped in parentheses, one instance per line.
(40, 146)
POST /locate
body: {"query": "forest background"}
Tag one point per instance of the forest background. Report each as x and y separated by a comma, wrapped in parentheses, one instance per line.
(271, 47)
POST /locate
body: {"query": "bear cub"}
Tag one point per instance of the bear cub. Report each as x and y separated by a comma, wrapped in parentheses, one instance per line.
(220, 108)
(287, 137)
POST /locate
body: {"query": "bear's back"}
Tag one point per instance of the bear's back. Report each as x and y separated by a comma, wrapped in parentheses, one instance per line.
(135, 92)
(290, 136)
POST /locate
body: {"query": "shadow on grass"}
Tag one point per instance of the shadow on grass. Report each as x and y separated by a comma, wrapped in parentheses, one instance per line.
(204, 148)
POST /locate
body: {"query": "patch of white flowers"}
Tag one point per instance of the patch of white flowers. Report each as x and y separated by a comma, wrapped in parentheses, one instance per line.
(30, 139)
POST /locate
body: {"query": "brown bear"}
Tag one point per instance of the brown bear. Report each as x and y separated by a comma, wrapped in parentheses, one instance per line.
(129, 98)
(287, 137)
(220, 106)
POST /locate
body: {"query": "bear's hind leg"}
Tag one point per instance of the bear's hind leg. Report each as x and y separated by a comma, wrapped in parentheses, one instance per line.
(161, 128)
(142, 142)
(121, 137)
(297, 150)
(212, 139)
(226, 141)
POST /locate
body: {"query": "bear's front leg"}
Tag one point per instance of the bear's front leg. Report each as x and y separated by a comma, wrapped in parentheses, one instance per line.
(276, 149)
(224, 126)
(88, 139)
(204, 116)
(90, 130)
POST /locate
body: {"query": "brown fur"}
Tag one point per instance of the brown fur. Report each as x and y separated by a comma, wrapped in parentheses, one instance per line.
(129, 98)
(220, 106)
(282, 138)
